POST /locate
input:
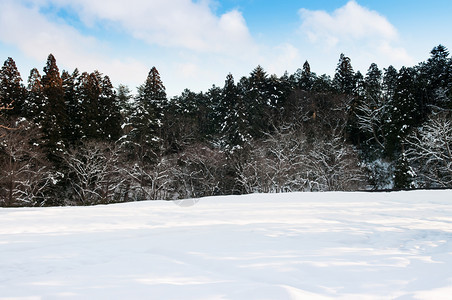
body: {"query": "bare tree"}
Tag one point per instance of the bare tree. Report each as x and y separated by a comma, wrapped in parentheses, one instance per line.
(334, 165)
(94, 172)
(286, 162)
(150, 181)
(430, 151)
(4, 128)
(370, 117)
(277, 164)
(25, 173)
(199, 172)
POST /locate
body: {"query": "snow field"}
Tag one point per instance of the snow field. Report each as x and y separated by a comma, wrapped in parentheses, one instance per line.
(260, 246)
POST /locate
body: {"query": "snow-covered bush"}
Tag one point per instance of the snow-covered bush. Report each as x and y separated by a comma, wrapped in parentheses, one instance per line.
(94, 173)
(430, 152)
(199, 172)
(286, 162)
(276, 164)
(25, 174)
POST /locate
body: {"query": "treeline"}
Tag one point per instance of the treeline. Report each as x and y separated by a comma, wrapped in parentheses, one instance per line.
(74, 139)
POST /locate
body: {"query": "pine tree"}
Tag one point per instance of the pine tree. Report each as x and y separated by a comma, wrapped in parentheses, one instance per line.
(323, 84)
(110, 114)
(307, 78)
(101, 116)
(125, 96)
(188, 119)
(256, 92)
(389, 82)
(35, 102)
(304, 78)
(125, 102)
(88, 94)
(152, 96)
(153, 89)
(403, 174)
(404, 110)
(146, 120)
(373, 84)
(437, 76)
(359, 85)
(56, 119)
(343, 78)
(353, 131)
(214, 94)
(279, 90)
(12, 90)
(71, 86)
(233, 129)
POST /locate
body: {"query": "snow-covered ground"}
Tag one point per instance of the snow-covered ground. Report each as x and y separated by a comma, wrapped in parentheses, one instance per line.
(276, 246)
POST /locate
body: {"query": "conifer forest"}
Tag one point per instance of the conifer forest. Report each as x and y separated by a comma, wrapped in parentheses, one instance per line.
(72, 138)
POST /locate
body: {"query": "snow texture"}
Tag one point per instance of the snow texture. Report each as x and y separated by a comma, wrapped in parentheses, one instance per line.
(273, 246)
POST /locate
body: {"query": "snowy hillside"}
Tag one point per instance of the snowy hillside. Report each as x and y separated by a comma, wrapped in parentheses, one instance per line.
(276, 246)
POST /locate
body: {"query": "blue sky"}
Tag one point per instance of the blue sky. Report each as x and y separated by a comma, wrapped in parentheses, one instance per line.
(195, 44)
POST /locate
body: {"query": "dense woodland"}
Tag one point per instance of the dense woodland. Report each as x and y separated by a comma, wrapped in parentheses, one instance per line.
(74, 139)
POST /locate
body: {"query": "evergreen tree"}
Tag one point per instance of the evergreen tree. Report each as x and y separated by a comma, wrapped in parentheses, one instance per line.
(126, 104)
(352, 127)
(71, 86)
(359, 88)
(101, 117)
(146, 119)
(56, 119)
(35, 102)
(373, 84)
(304, 78)
(214, 94)
(403, 174)
(279, 90)
(390, 78)
(437, 79)
(255, 90)
(124, 95)
(186, 121)
(12, 90)
(199, 108)
(323, 84)
(343, 78)
(110, 114)
(89, 92)
(234, 122)
(153, 89)
(404, 111)
(152, 94)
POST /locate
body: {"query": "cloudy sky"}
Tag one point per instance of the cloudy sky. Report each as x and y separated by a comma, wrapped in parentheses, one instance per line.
(196, 43)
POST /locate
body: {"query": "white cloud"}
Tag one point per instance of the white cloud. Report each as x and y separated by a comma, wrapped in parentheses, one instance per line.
(350, 22)
(188, 70)
(286, 57)
(361, 33)
(36, 37)
(398, 53)
(176, 23)
(186, 40)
